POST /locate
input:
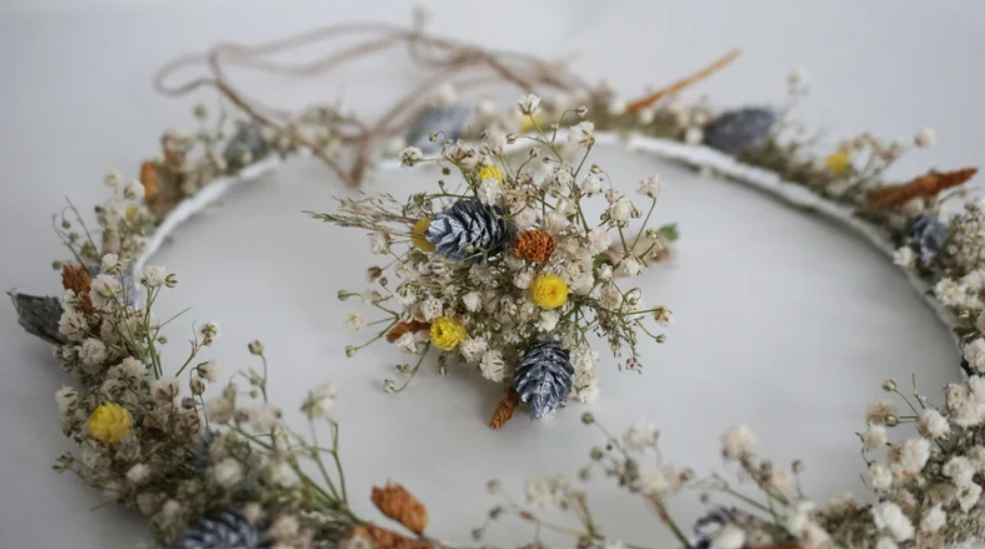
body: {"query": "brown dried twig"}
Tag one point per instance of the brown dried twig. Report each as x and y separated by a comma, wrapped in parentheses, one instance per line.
(924, 186)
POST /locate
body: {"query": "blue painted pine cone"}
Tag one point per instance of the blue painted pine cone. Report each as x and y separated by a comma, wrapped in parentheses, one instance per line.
(736, 131)
(246, 147)
(468, 231)
(543, 377)
(926, 235)
(228, 530)
(448, 122)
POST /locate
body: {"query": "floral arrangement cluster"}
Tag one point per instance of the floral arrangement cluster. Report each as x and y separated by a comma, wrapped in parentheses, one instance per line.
(504, 271)
(507, 270)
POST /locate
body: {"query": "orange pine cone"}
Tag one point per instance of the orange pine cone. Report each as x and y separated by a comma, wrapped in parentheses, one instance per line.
(402, 328)
(534, 245)
(923, 186)
(394, 501)
(505, 410)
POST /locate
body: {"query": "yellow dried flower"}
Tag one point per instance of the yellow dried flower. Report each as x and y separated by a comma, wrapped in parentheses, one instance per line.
(417, 235)
(110, 423)
(549, 292)
(530, 123)
(838, 162)
(447, 332)
(491, 172)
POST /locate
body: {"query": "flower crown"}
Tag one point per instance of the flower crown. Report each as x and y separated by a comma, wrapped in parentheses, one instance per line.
(505, 269)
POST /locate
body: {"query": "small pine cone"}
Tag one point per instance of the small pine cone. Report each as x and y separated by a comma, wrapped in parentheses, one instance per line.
(246, 147)
(394, 501)
(382, 538)
(402, 328)
(39, 316)
(229, 530)
(505, 410)
(543, 377)
(534, 245)
(736, 131)
(468, 231)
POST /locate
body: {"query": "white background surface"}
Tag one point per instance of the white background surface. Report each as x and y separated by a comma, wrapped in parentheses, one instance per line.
(784, 322)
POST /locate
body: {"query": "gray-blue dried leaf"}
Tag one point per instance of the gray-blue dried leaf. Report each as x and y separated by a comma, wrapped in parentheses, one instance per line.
(449, 123)
(39, 315)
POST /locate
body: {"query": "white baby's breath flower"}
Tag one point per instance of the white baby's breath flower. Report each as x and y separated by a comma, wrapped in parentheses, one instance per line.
(320, 401)
(621, 210)
(640, 436)
(432, 308)
(875, 437)
(545, 492)
(473, 348)
(133, 191)
(73, 325)
(949, 292)
(285, 529)
(904, 257)
(153, 276)
(631, 266)
(129, 369)
(66, 397)
(104, 291)
(411, 156)
(93, 352)
(265, 417)
(355, 321)
(227, 473)
(729, 536)
(582, 135)
(380, 243)
(492, 366)
(529, 104)
(650, 186)
(968, 496)
(974, 353)
(912, 455)
(925, 138)
(660, 481)
(886, 542)
(585, 387)
(408, 343)
(165, 390)
(219, 409)
(526, 218)
(610, 297)
(889, 517)
(880, 411)
(797, 78)
(617, 106)
(879, 476)
(738, 442)
(591, 185)
(110, 262)
(694, 135)
(210, 332)
(138, 474)
(933, 519)
(598, 240)
(472, 301)
(932, 424)
(208, 370)
(548, 321)
(490, 191)
(283, 474)
(605, 273)
(523, 279)
(960, 470)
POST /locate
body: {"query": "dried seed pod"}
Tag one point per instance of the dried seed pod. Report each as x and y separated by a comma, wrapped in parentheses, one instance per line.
(505, 410)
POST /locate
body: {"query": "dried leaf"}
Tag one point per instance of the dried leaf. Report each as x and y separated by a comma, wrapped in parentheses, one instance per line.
(148, 178)
(382, 538)
(402, 328)
(923, 186)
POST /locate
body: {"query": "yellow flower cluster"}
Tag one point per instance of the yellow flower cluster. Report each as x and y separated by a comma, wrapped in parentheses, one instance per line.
(447, 332)
(417, 237)
(491, 172)
(110, 423)
(838, 162)
(549, 292)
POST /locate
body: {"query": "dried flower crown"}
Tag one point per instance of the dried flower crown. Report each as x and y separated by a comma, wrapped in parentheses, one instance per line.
(226, 472)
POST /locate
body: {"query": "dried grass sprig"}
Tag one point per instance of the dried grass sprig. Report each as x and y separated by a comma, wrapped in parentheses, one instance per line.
(394, 501)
